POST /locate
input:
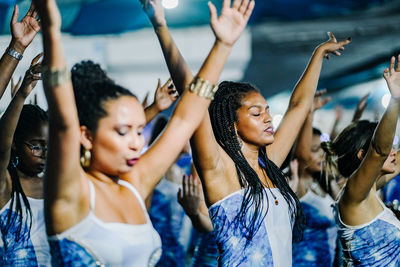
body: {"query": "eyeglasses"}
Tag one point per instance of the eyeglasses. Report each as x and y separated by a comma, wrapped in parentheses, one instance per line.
(37, 151)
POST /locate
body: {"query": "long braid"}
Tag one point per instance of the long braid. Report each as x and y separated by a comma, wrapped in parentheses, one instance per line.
(223, 115)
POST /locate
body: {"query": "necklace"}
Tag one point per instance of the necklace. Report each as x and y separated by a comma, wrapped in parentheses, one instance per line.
(269, 188)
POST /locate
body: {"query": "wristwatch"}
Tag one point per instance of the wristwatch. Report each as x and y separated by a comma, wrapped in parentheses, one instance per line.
(13, 53)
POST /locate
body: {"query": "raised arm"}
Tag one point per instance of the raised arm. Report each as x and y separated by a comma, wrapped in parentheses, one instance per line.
(383, 180)
(362, 104)
(362, 181)
(22, 33)
(301, 101)
(64, 176)
(9, 120)
(177, 66)
(192, 107)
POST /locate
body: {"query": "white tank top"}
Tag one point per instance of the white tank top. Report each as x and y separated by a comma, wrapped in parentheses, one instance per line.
(95, 242)
(32, 249)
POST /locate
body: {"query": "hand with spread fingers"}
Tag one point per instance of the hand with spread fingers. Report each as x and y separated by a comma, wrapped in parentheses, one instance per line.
(165, 95)
(25, 30)
(233, 19)
(392, 77)
(190, 196)
(332, 46)
(319, 100)
(32, 76)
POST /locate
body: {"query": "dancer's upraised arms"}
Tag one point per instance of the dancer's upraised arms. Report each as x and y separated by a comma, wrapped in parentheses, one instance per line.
(8, 124)
(65, 185)
(22, 33)
(192, 108)
(361, 182)
(301, 100)
(177, 66)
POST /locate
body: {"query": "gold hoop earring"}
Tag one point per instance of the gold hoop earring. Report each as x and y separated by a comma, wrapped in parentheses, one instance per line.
(86, 158)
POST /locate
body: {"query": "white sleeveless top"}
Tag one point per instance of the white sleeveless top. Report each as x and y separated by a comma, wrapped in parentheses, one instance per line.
(93, 242)
(32, 249)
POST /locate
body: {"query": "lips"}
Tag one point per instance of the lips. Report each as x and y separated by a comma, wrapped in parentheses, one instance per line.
(132, 162)
(269, 130)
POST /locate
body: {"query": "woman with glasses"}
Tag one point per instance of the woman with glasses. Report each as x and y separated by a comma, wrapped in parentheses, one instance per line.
(23, 147)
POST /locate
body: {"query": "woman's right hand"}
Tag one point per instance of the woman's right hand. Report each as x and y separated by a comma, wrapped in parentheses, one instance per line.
(155, 12)
(392, 77)
(32, 75)
(233, 20)
(332, 46)
(49, 14)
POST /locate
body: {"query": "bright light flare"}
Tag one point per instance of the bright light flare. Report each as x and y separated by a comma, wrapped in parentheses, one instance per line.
(385, 100)
(169, 4)
(276, 120)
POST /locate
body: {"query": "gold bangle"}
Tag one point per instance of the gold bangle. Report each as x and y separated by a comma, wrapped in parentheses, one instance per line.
(203, 88)
(53, 77)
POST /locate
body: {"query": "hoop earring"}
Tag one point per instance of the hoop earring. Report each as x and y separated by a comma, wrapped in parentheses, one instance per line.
(14, 161)
(86, 158)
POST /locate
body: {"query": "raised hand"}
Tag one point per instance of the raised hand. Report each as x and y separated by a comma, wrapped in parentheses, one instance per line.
(32, 75)
(191, 195)
(294, 179)
(165, 95)
(50, 17)
(338, 112)
(362, 104)
(392, 77)
(24, 31)
(230, 24)
(319, 100)
(15, 86)
(155, 12)
(332, 46)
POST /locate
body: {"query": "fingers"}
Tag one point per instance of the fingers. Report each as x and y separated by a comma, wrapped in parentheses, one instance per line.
(392, 62)
(185, 184)
(398, 65)
(15, 14)
(331, 36)
(36, 59)
(249, 10)
(31, 10)
(213, 12)
(226, 4)
(167, 83)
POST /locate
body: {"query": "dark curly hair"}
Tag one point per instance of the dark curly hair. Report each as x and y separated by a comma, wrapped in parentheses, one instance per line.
(92, 89)
(30, 118)
(223, 115)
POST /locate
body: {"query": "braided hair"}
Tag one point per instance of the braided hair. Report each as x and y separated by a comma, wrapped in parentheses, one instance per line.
(30, 118)
(223, 115)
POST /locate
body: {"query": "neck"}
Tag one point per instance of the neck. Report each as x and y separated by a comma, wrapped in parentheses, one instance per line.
(251, 155)
(101, 177)
(31, 185)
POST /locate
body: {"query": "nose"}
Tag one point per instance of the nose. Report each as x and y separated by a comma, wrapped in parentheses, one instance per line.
(136, 143)
(267, 117)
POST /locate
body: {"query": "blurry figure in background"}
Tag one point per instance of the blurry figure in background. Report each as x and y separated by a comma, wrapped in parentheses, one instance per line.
(167, 216)
(318, 246)
(369, 232)
(191, 198)
(23, 152)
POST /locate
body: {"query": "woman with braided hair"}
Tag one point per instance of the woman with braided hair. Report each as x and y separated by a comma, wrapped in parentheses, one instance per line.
(368, 231)
(250, 203)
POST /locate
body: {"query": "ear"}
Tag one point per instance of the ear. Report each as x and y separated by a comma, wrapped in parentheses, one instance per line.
(86, 138)
(360, 154)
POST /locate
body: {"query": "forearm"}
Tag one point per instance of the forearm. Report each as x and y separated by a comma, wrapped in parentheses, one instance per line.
(303, 146)
(201, 222)
(151, 112)
(305, 88)
(177, 66)
(384, 134)
(9, 121)
(8, 65)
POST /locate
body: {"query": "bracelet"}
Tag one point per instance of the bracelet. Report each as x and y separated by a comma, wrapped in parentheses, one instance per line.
(15, 54)
(53, 77)
(203, 88)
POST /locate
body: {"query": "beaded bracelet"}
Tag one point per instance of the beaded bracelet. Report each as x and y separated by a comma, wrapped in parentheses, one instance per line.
(203, 88)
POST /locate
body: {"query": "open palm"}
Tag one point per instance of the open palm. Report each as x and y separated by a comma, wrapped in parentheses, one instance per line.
(392, 77)
(232, 21)
(25, 30)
